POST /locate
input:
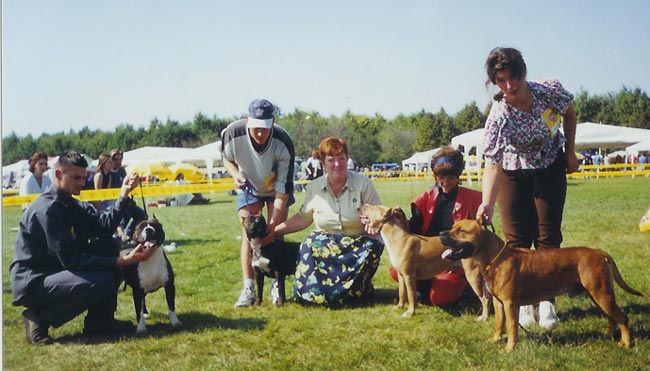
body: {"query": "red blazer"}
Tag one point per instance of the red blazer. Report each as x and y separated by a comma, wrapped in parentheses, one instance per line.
(467, 203)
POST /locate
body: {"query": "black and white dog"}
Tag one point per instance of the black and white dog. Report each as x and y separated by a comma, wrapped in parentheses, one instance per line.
(276, 260)
(151, 274)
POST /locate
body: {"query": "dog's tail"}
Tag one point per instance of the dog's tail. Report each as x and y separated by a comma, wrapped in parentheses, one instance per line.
(619, 279)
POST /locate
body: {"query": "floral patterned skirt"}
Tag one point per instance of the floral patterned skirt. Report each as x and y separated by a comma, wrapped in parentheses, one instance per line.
(333, 268)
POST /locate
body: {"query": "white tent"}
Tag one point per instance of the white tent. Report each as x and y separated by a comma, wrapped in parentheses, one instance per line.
(419, 160)
(639, 147)
(592, 135)
(469, 140)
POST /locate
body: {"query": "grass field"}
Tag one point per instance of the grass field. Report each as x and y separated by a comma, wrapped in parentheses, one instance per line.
(373, 335)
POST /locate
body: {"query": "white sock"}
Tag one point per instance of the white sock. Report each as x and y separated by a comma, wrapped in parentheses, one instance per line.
(249, 283)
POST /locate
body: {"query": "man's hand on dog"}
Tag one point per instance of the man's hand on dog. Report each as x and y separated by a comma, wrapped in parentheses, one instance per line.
(138, 254)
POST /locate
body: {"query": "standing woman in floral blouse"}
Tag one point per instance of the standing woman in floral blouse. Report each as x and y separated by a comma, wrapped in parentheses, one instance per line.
(526, 160)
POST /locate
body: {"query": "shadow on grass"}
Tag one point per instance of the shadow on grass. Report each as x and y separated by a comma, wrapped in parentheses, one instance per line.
(577, 337)
(184, 242)
(193, 322)
(593, 311)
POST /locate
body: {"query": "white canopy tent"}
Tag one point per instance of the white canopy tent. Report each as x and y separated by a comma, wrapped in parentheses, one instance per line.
(592, 135)
(419, 160)
(469, 140)
(639, 147)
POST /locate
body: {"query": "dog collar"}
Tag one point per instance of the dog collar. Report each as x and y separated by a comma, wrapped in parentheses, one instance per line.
(489, 266)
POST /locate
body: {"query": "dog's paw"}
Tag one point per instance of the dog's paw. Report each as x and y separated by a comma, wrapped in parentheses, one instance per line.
(173, 319)
(495, 339)
(408, 314)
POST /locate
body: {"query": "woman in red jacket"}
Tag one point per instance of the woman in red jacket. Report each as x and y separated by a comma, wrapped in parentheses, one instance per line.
(436, 210)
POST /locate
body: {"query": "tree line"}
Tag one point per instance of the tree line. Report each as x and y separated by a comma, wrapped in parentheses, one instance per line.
(370, 139)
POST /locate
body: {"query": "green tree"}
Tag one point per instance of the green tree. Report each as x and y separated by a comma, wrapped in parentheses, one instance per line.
(469, 118)
(632, 108)
(434, 130)
(587, 108)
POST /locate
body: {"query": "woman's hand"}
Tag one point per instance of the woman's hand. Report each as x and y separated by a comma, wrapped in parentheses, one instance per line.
(484, 213)
(572, 163)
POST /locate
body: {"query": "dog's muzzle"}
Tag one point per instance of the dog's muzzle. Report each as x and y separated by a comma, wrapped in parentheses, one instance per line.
(455, 250)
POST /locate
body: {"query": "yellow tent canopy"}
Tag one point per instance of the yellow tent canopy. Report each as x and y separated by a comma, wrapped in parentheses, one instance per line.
(190, 172)
(150, 169)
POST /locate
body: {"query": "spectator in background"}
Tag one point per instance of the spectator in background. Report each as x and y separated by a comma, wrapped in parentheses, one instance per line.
(643, 159)
(35, 182)
(314, 167)
(118, 172)
(597, 159)
(102, 179)
(350, 164)
(184, 198)
(132, 215)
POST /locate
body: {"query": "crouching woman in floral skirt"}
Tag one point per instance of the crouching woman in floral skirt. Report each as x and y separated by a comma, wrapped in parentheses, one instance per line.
(338, 259)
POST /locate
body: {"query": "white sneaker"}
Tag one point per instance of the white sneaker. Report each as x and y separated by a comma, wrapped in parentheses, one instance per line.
(526, 316)
(246, 298)
(547, 317)
(275, 292)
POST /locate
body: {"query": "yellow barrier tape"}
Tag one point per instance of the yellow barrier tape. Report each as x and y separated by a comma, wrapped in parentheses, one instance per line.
(9, 198)
(113, 193)
(147, 191)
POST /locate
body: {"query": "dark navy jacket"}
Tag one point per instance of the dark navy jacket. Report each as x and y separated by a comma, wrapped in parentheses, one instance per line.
(55, 234)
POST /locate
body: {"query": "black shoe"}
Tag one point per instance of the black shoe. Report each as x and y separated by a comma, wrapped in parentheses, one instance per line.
(35, 330)
(110, 327)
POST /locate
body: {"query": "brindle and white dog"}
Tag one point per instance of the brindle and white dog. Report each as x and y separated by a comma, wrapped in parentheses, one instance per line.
(276, 260)
(152, 274)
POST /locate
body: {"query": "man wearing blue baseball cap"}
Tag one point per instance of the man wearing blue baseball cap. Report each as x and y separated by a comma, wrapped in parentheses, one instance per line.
(259, 155)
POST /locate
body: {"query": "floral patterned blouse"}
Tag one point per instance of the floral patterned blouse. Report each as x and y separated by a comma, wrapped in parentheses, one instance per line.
(520, 140)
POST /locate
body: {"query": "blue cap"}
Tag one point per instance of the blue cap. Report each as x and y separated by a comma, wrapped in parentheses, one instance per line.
(260, 114)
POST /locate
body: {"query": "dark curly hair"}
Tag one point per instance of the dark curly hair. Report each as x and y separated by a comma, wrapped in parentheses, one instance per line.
(504, 59)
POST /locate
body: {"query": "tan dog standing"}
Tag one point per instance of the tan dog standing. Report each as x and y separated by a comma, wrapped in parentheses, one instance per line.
(517, 277)
(417, 257)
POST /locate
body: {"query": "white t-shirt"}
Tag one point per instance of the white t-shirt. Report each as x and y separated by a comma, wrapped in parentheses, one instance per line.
(29, 185)
(268, 171)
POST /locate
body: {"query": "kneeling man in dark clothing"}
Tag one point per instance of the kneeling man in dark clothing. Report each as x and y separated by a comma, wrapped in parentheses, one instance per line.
(65, 260)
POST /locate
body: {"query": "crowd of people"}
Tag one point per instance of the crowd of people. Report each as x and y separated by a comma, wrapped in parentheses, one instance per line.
(66, 259)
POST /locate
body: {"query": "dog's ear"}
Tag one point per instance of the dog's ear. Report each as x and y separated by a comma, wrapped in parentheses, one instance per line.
(401, 216)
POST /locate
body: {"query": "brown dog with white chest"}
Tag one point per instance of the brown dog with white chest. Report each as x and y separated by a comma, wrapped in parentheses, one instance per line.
(417, 257)
(517, 277)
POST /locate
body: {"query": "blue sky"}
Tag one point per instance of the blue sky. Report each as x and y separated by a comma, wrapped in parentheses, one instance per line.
(67, 64)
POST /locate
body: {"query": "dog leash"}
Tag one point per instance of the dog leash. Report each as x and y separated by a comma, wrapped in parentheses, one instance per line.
(246, 191)
(144, 204)
(489, 266)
